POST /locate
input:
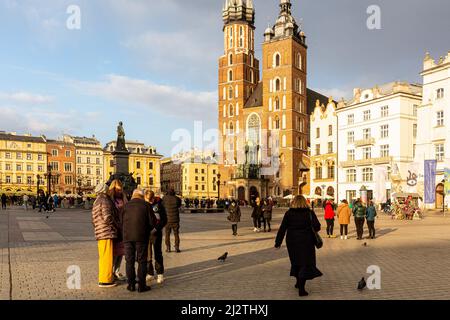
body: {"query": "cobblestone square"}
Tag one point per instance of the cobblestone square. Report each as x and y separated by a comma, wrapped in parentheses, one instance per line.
(413, 257)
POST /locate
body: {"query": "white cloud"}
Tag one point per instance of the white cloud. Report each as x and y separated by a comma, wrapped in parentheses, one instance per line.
(26, 97)
(162, 99)
(39, 120)
(336, 93)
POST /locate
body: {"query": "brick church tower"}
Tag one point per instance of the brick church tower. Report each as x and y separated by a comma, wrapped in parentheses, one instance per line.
(263, 124)
(285, 96)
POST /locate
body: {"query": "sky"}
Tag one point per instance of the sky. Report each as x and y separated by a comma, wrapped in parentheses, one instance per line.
(153, 64)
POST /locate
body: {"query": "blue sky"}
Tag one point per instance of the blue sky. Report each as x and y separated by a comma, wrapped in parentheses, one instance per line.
(153, 64)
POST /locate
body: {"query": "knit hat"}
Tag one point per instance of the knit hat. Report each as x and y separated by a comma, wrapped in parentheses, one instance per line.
(101, 188)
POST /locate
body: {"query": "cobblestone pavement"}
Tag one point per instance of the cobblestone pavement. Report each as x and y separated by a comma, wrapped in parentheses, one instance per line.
(414, 258)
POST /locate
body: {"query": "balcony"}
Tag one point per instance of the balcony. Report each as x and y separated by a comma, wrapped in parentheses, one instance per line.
(366, 162)
(347, 164)
(365, 142)
(383, 160)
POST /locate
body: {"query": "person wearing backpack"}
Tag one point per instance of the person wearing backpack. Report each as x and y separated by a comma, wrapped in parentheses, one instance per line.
(155, 244)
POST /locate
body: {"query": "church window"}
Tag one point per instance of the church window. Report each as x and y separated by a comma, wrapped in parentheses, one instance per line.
(230, 75)
(277, 85)
(231, 111)
(277, 104)
(230, 59)
(277, 123)
(230, 93)
(276, 60)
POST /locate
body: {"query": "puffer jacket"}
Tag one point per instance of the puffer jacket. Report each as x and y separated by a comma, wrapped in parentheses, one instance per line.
(329, 212)
(234, 214)
(172, 205)
(103, 218)
(359, 210)
(371, 213)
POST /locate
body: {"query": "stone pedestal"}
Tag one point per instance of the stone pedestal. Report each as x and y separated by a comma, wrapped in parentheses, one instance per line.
(121, 161)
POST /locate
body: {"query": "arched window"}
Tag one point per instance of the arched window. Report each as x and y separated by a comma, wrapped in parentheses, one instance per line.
(299, 61)
(230, 110)
(230, 75)
(277, 85)
(276, 60)
(230, 93)
(277, 104)
(277, 123)
(253, 129)
(319, 171)
(230, 59)
(231, 128)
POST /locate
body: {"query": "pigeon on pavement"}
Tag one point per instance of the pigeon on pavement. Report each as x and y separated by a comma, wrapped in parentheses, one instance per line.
(362, 284)
(223, 257)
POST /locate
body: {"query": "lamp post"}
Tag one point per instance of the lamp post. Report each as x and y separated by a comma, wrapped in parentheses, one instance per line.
(218, 186)
(443, 196)
(38, 183)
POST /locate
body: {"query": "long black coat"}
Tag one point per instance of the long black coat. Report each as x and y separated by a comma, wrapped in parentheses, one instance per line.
(300, 241)
(138, 221)
(257, 212)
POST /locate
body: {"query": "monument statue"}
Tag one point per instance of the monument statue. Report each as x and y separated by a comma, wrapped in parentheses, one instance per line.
(120, 145)
(121, 164)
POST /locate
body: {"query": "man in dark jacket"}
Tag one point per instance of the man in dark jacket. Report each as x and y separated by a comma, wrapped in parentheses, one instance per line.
(172, 205)
(155, 245)
(138, 223)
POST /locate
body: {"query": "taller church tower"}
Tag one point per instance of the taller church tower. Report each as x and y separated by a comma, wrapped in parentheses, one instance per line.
(238, 78)
(284, 97)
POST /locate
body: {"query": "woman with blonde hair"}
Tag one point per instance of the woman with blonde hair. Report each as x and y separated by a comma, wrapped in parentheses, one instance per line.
(119, 198)
(300, 223)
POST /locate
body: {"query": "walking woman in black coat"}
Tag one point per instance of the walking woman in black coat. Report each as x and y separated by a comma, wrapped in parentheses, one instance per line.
(298, 222)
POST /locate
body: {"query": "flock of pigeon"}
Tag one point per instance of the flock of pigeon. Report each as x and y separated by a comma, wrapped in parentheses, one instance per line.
(361, 284)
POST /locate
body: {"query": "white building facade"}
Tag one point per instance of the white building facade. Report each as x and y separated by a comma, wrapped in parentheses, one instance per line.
(376, 137)
(433, 140)
(323, 132)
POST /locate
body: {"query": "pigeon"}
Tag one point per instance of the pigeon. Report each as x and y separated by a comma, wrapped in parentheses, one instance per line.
(365, 244)
(223, 257)
(362, 284)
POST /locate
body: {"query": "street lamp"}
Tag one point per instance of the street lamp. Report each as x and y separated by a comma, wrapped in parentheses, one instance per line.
(218, 186)
(38, 183)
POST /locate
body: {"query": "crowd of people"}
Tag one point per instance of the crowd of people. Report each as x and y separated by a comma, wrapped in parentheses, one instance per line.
(133, 229)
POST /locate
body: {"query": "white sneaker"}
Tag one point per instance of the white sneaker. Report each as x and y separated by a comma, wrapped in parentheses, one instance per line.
(149, 278)
(346, 238)
(255, 230)
(342, 237)
(120, 277)
(160, 279)
(258, 230)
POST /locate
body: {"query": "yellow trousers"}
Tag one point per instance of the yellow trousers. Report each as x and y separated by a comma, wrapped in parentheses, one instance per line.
(105, 261)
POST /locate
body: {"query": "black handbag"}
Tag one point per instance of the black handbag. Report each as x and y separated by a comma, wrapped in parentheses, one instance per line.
(318, 239)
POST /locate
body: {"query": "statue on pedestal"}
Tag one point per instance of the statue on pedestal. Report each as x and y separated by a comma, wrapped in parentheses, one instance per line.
(120, 145)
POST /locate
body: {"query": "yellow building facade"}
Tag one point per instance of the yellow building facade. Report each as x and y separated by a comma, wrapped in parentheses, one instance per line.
(199, 180)
(144, 164)
(23, 161)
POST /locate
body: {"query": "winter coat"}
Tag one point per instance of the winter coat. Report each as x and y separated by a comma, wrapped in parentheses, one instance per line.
(172, 205)
(371, 213)
(359, 210)
(234, 214)
(103, 218)
(344, 213)
(329, 212)
(257, 212)
(267, 211)
(138, 221)
(300, 241)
